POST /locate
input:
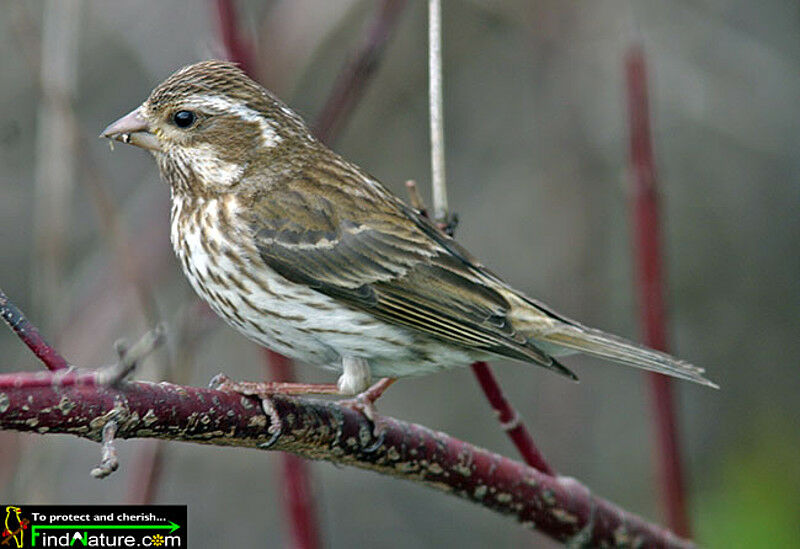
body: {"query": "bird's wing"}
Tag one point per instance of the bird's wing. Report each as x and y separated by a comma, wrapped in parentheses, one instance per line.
(372, 252)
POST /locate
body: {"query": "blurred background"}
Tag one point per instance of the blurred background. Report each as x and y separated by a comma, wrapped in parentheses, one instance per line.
(537, 156)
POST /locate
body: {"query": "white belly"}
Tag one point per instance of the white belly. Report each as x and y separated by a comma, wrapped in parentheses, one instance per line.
(292, 319)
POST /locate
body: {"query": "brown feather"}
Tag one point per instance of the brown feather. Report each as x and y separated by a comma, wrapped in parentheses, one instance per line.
(287, 212)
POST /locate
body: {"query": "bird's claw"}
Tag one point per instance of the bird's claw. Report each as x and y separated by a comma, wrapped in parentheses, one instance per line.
(365, 405)
(449, 224)
(220, 382)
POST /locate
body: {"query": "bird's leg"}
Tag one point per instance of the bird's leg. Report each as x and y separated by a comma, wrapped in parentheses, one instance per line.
(364, 402)
(355, 378)
(356, 375)
(265, 389)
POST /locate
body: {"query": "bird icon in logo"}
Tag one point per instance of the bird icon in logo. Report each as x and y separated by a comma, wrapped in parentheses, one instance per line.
(15, 527)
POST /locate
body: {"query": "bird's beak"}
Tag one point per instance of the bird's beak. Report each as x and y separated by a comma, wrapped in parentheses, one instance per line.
(134, 130)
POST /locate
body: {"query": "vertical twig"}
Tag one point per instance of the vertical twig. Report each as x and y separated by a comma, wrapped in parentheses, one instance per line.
(56, 150)
(650, 287)
(355, 75)
(295, 473)
(239, 50)
(508, 417)
(117, 240)
(436, 99)
(145, 472)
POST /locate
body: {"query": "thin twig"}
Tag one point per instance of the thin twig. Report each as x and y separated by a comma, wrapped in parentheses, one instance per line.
(650, 288)
(559, 507)
(56, 150)
(30, 335)
(109, 376)
(351, 83)
(109, 460)
(435, 95)
(131, 355)
(508, 417)
(414, 198)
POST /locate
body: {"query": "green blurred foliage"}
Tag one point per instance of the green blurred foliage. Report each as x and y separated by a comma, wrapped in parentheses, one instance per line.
(756, 497)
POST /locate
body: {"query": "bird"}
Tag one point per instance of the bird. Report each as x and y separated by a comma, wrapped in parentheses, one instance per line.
(309, 255)
(15, 526)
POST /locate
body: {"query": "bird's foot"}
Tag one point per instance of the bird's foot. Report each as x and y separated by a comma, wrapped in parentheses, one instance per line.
(364, 403)
(266, 389)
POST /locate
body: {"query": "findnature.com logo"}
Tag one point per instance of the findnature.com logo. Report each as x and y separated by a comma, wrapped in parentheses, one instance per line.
(96, 526)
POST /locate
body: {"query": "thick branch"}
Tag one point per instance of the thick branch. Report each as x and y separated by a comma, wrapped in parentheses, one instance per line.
(558, 506)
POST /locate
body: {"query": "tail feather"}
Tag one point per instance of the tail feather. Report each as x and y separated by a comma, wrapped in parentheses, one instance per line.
(598, 343)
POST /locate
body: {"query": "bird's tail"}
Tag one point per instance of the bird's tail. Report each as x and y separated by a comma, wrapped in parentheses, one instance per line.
(598, 343)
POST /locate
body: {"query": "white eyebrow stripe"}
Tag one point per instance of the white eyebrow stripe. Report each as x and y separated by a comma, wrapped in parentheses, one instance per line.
(220, 104)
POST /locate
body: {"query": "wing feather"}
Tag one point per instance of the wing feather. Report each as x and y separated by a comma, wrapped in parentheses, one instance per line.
(383, 258)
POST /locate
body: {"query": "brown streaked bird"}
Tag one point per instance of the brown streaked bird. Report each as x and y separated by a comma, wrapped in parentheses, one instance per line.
(308, 255)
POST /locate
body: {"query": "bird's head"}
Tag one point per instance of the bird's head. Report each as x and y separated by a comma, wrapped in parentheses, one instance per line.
(209, 124)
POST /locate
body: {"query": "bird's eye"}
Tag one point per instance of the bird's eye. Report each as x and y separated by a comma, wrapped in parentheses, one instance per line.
(184, 119)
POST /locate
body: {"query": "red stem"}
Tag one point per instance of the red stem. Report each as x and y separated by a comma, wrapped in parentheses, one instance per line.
(353, 78)
(650, 287)
(509, 418)
(347, 91)
(30, 335)
(145, 473)
(80, 402)
(295, 473)
(238, 49)
(300, 497)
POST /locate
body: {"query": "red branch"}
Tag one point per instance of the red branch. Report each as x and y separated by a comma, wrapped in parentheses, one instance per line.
(295, 474)
(509, 418)
(352, 81)
(30, 335)
(146, 469)
(239, 49)
(347, 90)
(650, 286)
(559, 507)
